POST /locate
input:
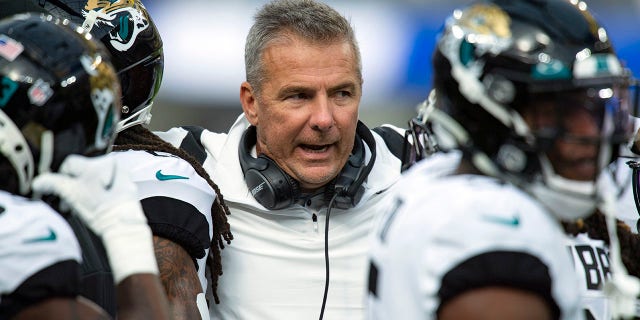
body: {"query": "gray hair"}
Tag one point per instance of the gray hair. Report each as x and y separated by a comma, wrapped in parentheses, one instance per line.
(313, 21)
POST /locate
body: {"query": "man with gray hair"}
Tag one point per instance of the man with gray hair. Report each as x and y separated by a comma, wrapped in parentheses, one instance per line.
(304, 179)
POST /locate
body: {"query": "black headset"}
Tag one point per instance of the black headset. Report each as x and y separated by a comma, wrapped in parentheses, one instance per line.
(275, 189)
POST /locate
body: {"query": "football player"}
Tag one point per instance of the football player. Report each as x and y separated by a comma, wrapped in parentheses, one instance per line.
(535, 99)
(58, 100)
(181, 202)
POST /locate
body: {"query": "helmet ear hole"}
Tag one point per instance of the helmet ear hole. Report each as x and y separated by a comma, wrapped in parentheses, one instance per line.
(511, 158)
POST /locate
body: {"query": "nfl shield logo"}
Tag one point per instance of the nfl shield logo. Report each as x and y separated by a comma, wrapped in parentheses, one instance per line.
(39, 93)
(9, 48)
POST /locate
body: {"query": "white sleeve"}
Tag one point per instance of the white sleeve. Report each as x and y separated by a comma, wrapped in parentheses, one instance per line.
(33, 237)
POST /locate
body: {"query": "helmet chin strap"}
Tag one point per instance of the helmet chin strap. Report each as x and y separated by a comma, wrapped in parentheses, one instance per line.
(142, 116)
(566, 199)
(46, 152)
(46, 157)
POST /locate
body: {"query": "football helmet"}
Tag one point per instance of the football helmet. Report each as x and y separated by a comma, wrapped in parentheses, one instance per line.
(499, 64)
(58, 94)
(127, 30)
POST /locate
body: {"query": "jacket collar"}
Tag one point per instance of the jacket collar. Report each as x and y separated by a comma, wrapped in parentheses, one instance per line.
(227, 172)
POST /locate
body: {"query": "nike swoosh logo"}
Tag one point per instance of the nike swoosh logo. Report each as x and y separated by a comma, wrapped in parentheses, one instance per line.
(513, 221)
(165, 177)
(111, 181)
(48, 238)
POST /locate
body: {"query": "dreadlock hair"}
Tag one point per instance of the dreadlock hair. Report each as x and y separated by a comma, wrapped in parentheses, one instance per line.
(140, 138)
(596, 227)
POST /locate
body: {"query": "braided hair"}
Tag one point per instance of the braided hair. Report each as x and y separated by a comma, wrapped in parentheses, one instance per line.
(596, 227)
(140, 138)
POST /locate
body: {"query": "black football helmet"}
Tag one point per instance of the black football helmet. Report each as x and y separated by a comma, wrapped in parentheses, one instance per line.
(497, 60)
(59, 94)
(133, 40)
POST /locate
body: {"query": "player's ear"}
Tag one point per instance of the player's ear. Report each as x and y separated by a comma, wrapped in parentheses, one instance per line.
(249, 103)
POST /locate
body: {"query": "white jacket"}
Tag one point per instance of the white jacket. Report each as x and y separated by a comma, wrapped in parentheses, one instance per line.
(275, 266)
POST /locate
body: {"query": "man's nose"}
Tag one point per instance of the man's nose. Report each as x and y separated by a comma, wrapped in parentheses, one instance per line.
(322, 114)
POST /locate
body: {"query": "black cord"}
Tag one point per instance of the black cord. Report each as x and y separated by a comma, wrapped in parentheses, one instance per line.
(326, 254)
(634, 182)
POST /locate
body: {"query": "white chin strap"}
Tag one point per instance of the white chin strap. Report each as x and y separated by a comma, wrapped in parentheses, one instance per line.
(567, 199)
(142, 116)
(564, 204)
(46, 152)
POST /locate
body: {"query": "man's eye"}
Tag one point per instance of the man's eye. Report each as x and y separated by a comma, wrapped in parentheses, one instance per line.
(297, 96)
(343, 94)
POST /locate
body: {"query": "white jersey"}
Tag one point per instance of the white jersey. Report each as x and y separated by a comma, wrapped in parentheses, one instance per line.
(39, 254)
(444, 228)
(626, 203)
(275, 267)
(626, 209)
(176, 201)
(591, 260)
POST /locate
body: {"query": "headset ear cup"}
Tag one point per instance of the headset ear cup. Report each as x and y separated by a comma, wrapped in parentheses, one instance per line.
(282, 188)
(269, 185)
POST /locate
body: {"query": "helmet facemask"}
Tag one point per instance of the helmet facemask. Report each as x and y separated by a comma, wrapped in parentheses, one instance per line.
(419, 139)
(578, 136)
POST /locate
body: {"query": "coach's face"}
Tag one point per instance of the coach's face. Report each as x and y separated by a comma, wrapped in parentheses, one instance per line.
(307, 111)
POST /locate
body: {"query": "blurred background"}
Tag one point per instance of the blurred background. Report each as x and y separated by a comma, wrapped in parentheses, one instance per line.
(204, 54)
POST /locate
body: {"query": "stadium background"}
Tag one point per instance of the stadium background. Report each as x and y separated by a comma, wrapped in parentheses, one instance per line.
(204, 52)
